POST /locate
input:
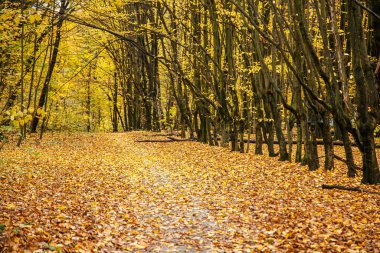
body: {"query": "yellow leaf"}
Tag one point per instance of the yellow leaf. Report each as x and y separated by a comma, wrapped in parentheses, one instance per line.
(11, 206)
(62, 207)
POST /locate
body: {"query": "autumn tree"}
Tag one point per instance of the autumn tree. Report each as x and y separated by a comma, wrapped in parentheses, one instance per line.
(216, 70)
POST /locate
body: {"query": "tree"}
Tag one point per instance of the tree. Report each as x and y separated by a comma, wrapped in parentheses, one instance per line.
(213, 69)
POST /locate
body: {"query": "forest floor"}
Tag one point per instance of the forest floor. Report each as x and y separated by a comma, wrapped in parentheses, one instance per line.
(107, 193)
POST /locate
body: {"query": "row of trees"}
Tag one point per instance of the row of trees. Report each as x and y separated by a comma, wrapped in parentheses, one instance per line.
(25, 26)
(49, 74)
(286, 71)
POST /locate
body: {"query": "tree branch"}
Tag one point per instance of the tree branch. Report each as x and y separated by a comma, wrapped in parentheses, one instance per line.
(367, 9)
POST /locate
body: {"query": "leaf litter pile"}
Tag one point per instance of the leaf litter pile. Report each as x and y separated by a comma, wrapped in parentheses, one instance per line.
(107, 193)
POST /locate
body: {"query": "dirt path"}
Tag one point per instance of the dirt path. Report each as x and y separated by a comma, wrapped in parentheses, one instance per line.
(106, 193)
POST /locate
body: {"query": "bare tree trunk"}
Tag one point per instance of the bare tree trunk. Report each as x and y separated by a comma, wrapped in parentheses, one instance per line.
(328, 142)
(44, 93)
(368, 106)
(114, 118)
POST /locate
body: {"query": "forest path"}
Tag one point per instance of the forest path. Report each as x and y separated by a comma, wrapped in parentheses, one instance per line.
(186, 224)
(107, 193)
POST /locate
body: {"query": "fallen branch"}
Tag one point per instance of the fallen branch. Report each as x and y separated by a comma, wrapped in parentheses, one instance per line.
(319, 142)
(154, 141)
(170, 139)
(176, 139)
(339, 187)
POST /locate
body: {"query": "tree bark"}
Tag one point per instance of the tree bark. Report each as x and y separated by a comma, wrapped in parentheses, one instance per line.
(44, 93)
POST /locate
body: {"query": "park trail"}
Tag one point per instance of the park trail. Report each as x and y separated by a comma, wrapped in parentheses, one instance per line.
(108, 193)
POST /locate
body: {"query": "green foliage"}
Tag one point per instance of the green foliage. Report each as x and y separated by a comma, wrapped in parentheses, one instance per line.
(377, 131)
(2, 228)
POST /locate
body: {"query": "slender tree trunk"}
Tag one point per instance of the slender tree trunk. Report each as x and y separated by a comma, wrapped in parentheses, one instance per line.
(22, 127)
(328, 142)
(45, 88)
(88, 101)
(114, 118)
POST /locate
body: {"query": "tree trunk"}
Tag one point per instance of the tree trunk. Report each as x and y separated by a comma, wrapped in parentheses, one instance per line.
(45, 88)
(328, 142)
(367, 99)
(114, 118)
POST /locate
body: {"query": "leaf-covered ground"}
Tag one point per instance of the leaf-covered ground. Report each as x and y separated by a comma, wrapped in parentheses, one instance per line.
(106, 193)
